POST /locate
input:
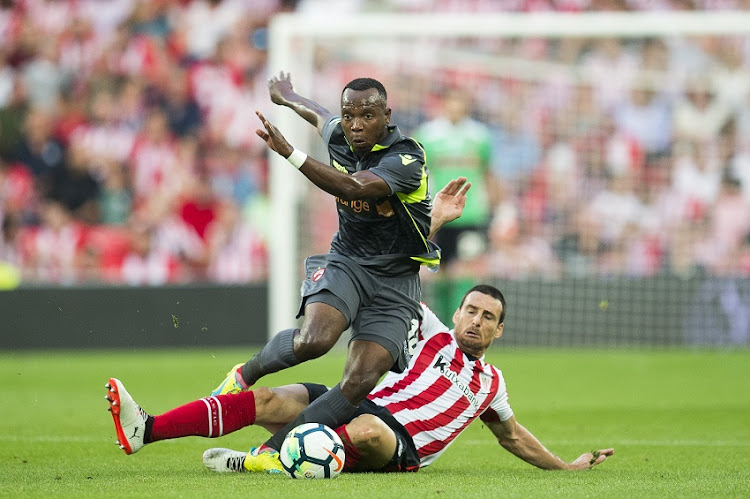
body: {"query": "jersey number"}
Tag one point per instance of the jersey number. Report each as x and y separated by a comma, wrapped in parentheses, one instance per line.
(412, 337)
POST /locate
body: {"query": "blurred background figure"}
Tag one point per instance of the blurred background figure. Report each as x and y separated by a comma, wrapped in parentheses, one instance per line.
(457, 145)
(145, 263)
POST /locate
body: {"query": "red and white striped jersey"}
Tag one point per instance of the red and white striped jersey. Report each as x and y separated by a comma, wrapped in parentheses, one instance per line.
(441, 391)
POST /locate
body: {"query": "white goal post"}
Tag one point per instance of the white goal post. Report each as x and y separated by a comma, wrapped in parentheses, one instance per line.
(291, 44)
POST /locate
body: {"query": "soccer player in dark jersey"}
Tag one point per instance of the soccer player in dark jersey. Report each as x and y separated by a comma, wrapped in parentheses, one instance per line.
(370, 278)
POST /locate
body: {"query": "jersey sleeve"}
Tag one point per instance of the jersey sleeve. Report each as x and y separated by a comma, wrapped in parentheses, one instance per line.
(327, 131)
(499, 409)
(430, 325)
(402, 169)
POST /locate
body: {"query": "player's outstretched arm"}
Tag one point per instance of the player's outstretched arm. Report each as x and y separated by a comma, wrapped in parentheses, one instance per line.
(521, 443)
(449, 203)
(362, 185)
(282, 93)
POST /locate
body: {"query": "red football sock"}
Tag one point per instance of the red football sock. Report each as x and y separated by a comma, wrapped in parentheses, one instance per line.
(207, 417)
(352, 453)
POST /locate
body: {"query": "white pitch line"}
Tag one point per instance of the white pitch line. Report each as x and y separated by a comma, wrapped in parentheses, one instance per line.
(647, 443)
(488, 442)
(51, 438)
(57, 439)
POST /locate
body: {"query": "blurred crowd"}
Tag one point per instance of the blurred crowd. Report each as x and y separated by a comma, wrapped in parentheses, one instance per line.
(128, 152)
(623, 158)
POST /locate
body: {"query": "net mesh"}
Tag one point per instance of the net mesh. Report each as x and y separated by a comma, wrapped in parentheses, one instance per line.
(612, 177)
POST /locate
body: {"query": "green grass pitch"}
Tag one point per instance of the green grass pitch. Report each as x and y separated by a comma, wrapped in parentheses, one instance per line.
(679, 421)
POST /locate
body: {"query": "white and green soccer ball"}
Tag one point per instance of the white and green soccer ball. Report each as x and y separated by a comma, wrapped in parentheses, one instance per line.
(312, 450)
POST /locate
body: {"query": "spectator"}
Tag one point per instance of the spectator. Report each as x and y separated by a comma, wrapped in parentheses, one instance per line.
(206, 23)
(131, 105)
(614, 209)
(611, 69)
(75, 187)
(17, 193)
(39, 150)
(7, 80)
(183, 114)
(115, 197)
(146, 263)
(459, 146)
(699, 115)
(516, 152)
(235, 174)
(696, 179)
(727, 229)
(105, 16)
(237, 253)
(43, 76)
(518, 249)
(154, 160)
(51, 252)
(103, 136)
(12, 120)
(79, 49)
(646, 116)
(150, 18)
(215, 84)
(731, 77)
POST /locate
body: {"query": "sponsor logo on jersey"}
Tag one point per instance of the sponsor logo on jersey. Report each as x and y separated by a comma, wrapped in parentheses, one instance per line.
(356, 205)
(407, 159)
(318, 274)
(440, 364)
(452, 376)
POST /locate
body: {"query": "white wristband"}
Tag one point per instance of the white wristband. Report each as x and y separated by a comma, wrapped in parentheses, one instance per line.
(297, 158)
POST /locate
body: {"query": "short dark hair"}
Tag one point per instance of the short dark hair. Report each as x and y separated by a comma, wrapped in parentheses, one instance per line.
(487, 290)
(367, 84)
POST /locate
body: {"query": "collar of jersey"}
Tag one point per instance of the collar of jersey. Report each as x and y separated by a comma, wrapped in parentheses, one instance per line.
(468, 355)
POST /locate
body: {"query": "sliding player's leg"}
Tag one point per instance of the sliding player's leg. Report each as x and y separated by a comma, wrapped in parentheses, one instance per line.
(207, 417)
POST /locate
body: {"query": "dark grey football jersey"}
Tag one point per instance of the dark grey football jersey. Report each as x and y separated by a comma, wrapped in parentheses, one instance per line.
(386, 235)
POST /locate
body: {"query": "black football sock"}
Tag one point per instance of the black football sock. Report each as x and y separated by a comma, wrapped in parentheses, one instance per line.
(278, 354)
(331, 409)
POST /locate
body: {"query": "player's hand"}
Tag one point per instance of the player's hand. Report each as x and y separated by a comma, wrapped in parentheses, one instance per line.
(590, 459)
(450, 201)
(273, 137)
(280, 87)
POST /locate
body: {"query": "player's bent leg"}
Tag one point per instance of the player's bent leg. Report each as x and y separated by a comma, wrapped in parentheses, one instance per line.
(276, 355)
(322, 328)
(130, 420)
(373, 441)
(275, 407)
(366, 362)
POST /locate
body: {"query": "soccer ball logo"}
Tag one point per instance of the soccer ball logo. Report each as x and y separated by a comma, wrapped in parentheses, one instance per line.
(312, 450)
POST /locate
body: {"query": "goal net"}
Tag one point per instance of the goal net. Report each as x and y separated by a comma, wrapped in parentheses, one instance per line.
(609, 153)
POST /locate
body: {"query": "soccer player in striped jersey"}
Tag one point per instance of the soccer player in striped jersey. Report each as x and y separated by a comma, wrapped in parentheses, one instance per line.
(406, 423)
